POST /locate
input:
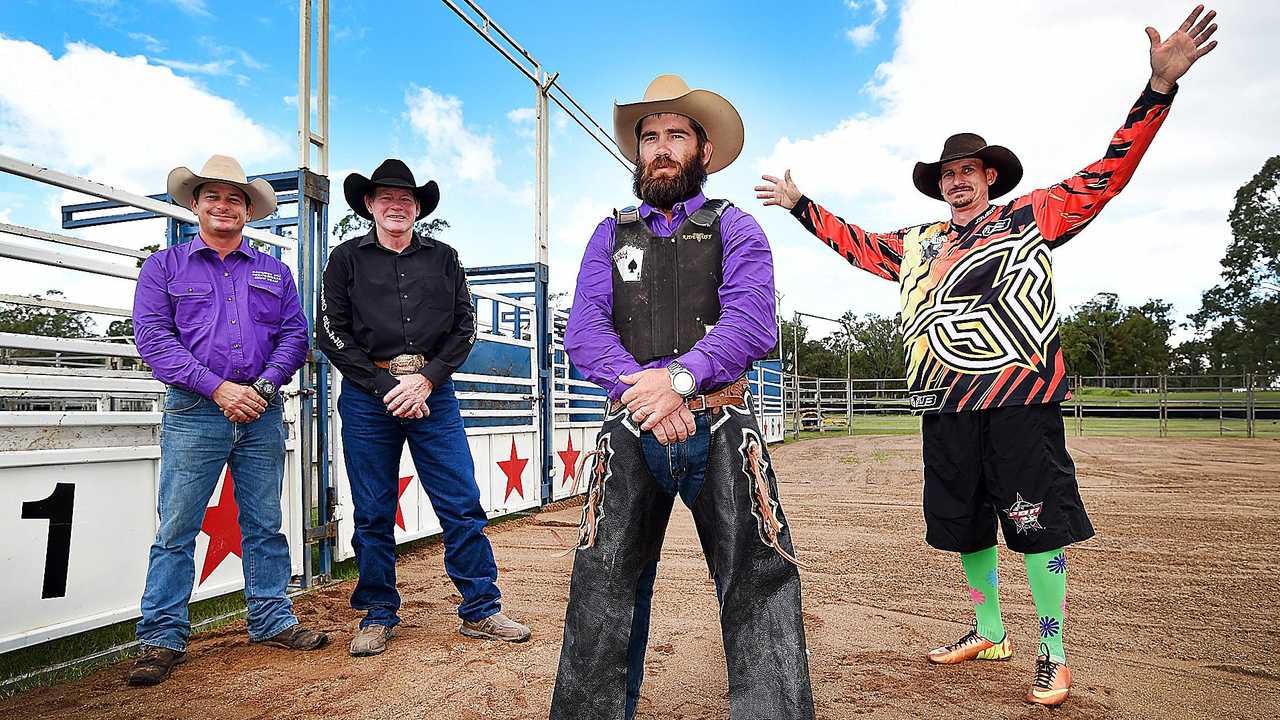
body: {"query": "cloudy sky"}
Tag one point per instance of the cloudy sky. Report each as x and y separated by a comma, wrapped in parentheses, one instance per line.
(847, 94)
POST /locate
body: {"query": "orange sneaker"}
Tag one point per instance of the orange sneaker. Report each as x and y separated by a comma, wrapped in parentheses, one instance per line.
(1052, 683)
(971, 647)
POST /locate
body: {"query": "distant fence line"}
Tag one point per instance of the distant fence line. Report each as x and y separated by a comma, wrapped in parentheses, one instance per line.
(1161, 405)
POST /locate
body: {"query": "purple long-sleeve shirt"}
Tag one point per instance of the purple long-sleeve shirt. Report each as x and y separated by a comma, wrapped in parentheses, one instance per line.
(747, 329)
(199, 319)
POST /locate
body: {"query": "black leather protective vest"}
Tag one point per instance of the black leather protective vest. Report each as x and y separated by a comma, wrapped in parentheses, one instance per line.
(666, 290)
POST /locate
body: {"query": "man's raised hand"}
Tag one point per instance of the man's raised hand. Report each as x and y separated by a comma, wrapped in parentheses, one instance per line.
(1172, 57)
(779, 192)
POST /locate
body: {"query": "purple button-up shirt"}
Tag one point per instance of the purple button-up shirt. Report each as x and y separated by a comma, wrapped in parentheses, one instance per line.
(747, 329)
(199, 319)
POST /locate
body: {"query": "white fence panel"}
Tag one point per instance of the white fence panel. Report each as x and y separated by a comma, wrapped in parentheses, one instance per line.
(109, 502)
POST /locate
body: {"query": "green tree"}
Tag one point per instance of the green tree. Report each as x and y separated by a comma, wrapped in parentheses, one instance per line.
(1089, 334)
(46, 321)
(1239, 318)
(1142, 340)
(120, 328)
(863, 347)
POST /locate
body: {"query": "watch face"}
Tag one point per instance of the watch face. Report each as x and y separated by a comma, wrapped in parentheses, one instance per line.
(683, 382)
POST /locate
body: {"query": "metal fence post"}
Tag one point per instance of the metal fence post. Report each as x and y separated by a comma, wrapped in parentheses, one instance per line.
(1250, 403)
(1162, 384)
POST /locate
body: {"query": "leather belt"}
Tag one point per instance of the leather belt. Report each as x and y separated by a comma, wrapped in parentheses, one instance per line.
(731, 395)
(403, 364)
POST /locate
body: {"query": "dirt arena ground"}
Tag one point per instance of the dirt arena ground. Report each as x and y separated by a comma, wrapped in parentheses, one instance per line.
(1173, 609)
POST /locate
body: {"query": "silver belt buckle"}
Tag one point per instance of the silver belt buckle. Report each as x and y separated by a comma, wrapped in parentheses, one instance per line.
(406, 364)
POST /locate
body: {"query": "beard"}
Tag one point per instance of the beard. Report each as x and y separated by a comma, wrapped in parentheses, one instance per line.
(664, 192)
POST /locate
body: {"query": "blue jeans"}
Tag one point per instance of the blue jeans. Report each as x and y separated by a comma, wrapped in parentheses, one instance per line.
(373, 440)
(196, 440)
(679, 468)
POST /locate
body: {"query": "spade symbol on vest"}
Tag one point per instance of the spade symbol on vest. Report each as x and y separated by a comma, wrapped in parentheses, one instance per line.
(630, 263)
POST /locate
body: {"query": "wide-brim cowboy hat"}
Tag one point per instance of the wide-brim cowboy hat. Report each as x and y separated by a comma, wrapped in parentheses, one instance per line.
(182, 184)
(391, 173)
(968, 145)
(670, 94)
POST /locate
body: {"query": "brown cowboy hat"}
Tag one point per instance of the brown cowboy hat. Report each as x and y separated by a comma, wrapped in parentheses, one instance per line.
(670, 94)
(968, 145)
(182, 184)
(391, 173)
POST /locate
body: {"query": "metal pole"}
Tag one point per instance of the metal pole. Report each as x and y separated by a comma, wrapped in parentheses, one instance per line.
(1251, 408)
(541, 258)
(848, 387)
(304, 88)
(795, 373)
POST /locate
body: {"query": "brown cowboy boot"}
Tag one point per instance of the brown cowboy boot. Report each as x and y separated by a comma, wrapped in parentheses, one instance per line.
(296, 637)
(154, 665)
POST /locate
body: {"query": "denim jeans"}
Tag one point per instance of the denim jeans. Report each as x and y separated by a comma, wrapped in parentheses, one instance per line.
(196, 440)
(372, 441)
(678, 468)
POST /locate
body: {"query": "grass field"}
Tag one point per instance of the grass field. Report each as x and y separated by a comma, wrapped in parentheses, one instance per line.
(1090, 425)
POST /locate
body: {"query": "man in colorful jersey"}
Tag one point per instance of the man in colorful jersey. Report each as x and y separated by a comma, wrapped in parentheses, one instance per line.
(984, 361)
(674, 302)
(221, 326)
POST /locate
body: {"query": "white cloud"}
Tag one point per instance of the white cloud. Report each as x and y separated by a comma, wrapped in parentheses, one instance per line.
(248, 60)
(863, 35)
(213, 67)
(1054, 98)
(96, 114)
(192, 7)
(572, 227)
(292, 101)
(111, 117)
(152, 44)
(452, 149)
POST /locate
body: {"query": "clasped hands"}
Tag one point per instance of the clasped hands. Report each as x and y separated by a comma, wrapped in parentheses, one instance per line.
(652, 402)
(239, 403)
(408, 399)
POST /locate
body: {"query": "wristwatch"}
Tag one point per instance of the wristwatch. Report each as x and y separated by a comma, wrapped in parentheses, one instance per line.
(682, 381)
(265, 388)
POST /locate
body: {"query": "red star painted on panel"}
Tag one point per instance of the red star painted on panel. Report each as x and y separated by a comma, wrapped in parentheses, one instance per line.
(570, 459)
(404, 483)
(513, 468)
(221, 524)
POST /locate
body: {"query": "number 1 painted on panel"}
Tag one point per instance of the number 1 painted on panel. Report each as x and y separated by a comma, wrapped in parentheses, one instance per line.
(57, 510)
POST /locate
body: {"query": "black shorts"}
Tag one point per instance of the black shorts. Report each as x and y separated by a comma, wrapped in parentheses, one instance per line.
(1007, 464)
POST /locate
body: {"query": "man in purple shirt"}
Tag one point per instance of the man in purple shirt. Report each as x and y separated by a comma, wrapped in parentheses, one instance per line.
(674, 302)
(220, 324)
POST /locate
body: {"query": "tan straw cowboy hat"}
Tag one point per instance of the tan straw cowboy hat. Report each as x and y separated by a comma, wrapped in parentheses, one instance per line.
(670, 94)
(182, 184)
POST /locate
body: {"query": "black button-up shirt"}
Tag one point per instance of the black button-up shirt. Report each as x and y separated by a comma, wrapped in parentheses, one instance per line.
(376, 304)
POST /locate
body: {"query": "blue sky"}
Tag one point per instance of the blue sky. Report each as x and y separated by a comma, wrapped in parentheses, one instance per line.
(848, 94)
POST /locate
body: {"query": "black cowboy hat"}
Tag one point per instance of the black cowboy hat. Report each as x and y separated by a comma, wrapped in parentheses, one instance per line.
(968, 145)
(391, 173)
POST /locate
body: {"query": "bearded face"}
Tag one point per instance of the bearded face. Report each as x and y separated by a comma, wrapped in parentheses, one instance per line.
(671, 165)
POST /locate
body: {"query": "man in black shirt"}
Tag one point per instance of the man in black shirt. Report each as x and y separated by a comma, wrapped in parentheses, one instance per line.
(397, 320)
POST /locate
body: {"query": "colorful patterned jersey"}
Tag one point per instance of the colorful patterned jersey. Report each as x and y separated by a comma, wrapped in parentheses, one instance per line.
(979, 324)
